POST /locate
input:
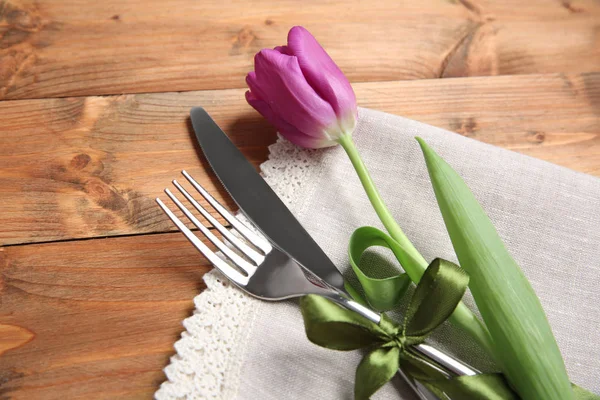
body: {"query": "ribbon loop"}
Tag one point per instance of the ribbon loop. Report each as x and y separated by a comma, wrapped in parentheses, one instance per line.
(438, 293)
(382, 294)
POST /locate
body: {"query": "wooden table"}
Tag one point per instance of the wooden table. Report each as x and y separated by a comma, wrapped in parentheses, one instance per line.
(94, 123)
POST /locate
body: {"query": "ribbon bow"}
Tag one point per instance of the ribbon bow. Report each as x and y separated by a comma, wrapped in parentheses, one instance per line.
(436, 296)
(388, 345)
(441, 288)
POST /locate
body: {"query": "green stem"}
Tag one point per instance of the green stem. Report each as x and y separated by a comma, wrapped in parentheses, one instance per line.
(462, 316)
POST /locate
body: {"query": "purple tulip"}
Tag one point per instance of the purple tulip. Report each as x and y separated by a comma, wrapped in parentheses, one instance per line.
(302, 92)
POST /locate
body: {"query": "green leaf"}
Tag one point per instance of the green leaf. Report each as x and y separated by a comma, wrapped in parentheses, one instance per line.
(582, 394)
(381, 294)
(478, 387)
(523, 343)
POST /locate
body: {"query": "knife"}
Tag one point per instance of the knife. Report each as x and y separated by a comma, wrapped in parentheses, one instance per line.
(259, 203)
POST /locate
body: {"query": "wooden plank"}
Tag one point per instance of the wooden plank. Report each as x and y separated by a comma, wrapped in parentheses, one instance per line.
(83, 47)
(81, 166)
(94, 318)
(86, 167)
(552, 117)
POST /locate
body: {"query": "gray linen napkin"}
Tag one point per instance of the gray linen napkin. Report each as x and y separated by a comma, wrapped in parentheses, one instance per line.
(236, 347)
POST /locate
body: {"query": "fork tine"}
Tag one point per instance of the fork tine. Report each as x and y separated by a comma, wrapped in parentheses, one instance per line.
(243, 247)
(236, 259)
(236, 223)
(217, 261)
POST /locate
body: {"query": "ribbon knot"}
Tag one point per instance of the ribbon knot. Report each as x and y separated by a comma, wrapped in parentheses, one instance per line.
(400, 342)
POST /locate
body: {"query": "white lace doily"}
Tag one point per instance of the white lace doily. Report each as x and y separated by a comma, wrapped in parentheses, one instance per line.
(212, 347)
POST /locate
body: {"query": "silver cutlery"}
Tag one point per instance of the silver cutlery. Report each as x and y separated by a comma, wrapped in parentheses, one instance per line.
(257, 266)
(262, 206)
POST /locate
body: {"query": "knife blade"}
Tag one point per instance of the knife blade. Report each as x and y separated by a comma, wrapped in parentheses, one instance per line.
(258, 202)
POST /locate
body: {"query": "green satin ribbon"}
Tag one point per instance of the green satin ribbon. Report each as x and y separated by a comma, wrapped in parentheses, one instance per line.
(436, 296)
(441, 288)
(382, 294)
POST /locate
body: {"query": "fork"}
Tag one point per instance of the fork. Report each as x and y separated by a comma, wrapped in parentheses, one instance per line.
(263, 271)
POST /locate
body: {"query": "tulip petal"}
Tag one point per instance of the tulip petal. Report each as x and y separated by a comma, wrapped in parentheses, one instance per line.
(284, 88)
(284, 50)
(322, 73)
(290, 132)
(258, 99)
(263, 108)
(254, 87)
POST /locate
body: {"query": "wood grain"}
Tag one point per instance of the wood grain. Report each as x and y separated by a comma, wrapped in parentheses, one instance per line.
(78, 326)
(83, 167)
(79, 48)
(87, 167)
(97, 318)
